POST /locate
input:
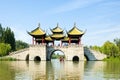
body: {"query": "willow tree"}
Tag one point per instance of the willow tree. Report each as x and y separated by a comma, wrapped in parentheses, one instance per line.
(110, 49)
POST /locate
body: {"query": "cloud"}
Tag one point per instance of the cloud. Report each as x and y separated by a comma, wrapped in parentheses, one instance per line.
(75, 4)
(113, 29)
(98, 37)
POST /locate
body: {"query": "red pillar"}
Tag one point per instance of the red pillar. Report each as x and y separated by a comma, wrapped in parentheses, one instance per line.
(79, 42)
(53, 43)
(33, 40)
(69, 40)
(42, 40)
(61, 43)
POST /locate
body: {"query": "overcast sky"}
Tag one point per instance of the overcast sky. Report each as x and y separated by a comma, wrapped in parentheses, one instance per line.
(101, 18)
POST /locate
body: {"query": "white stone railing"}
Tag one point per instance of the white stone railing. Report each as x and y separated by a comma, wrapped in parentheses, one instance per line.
(66, 46)
(16, 52)
(38, 45)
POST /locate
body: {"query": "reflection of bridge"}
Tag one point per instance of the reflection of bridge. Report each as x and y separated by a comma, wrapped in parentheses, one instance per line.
(50, 70)
(43, 52)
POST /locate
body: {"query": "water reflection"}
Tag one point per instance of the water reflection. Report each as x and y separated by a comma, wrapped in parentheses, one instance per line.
(102, 70)
(113, 68)
(51, 70)
(56, 70)
(94, 70)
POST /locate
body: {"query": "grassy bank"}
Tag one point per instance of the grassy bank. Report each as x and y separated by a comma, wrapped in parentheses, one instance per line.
(112, 59)
(7, 59)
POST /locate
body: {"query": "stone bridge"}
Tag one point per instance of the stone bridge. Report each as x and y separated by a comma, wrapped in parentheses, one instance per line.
(43, 52)
(71, 52)
(93, 55)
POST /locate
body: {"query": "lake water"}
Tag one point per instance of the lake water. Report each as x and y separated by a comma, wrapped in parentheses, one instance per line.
(56, 70)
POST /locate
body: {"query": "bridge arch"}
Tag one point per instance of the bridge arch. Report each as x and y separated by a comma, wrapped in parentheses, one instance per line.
(86, 57)
(60, 52)
(27, 57)
(75, 58)
(37, 58)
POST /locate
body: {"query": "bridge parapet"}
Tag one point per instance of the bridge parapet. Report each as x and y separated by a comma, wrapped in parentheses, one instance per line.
(37, 45)
(19, 51)
(66, 46)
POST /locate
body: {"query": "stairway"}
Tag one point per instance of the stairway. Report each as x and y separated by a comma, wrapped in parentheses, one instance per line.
(93, 55)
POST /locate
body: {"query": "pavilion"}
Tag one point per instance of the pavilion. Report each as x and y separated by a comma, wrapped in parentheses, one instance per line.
(39, 36)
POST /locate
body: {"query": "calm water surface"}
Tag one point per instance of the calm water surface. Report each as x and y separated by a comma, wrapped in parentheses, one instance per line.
(56, 70)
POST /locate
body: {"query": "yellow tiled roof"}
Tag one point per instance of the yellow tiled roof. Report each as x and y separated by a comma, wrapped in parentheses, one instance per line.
(65, 39)
(48, 38)
(75, 31)
(57, 36)
(37, 31)
(57, 29)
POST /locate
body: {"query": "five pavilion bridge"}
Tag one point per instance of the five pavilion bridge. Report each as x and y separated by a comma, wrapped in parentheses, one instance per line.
(43, 46)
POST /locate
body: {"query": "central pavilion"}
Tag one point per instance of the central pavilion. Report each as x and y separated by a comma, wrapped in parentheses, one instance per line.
(39, 36)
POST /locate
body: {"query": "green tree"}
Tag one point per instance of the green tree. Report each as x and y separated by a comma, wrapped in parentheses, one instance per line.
(4, 49)
(8, 37)
(1, 32)
(117, 42)
(21, 45)
(110, 49)
(96, 48)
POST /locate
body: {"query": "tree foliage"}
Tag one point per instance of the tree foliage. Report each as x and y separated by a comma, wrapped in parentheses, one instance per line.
(7, 36)
(1, 32)
(109, 48)
(21, 45)
(117, 42)
(4, 49)
(96, 48)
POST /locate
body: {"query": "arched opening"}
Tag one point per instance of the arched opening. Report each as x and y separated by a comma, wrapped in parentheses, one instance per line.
(37, 58)
(27, 57)
(57, 55)
(75, 58)
(86, 58)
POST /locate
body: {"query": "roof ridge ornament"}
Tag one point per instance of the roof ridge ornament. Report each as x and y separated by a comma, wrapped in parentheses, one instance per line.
(74, 24)
(57, 24)
(39, 25)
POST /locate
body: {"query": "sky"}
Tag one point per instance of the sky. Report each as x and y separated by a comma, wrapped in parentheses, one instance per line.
(99, 18)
